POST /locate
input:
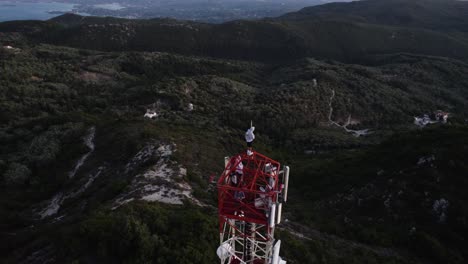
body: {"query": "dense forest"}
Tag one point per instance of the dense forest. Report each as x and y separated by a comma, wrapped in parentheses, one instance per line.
(75, 145)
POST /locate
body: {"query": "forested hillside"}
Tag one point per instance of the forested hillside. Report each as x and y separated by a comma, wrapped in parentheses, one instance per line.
(311, 32)
(441, 15)
(111, 129)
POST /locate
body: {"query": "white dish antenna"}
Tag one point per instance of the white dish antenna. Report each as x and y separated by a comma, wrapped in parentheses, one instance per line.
(223, 251)
(276, 250)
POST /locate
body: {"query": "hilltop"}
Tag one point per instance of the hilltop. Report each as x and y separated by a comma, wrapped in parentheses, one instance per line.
(441, 15)
(311, 32)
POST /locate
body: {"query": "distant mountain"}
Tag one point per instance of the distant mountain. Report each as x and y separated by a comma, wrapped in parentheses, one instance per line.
(290, 37)
(213, 11)
(442, 15)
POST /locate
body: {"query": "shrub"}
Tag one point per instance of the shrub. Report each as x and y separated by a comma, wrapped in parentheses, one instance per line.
(16, 174)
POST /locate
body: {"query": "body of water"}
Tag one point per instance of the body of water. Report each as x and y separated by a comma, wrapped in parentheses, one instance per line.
(32, 11)
(111, 6)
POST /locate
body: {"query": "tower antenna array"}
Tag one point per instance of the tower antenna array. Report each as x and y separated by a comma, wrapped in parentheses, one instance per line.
(251, 193)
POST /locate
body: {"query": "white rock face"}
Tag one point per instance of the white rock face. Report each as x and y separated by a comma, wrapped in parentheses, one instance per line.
(162, 182)
(89, 142)
(54, 204)
(142, 156)
(166, 195)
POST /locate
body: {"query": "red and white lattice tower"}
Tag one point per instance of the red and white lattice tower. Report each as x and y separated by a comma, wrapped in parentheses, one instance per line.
(251, 191)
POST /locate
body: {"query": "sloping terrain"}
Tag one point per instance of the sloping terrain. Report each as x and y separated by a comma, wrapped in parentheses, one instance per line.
(81, 113)
(441, 15)
(287, 38)
(108, 144)
(403, 192)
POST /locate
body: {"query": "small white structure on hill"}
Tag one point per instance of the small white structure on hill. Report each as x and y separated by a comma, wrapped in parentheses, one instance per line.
(151, 114)
(438, 116)
(423, 121)
(441, 116)
(190, 107)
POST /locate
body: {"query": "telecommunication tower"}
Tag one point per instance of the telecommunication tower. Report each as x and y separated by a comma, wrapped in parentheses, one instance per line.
(251, 193)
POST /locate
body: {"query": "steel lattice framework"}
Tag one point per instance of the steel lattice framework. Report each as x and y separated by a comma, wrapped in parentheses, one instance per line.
(250, 191)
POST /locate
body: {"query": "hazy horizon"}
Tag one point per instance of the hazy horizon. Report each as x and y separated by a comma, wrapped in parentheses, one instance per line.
(215, 11)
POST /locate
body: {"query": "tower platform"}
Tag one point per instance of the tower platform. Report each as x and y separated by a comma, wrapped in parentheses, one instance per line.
(251, 191)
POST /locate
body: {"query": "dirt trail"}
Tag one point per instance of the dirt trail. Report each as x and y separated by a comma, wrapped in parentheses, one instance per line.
(89, 142)
(356, 133)
(55, 203)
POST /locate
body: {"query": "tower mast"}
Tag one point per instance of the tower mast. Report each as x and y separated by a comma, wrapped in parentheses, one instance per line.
(251, 192)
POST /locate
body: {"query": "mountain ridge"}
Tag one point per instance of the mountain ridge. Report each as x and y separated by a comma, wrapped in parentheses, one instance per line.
(269, 41)
(449, 15)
